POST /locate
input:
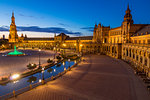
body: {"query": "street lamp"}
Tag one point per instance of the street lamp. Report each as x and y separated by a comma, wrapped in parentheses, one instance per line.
(64, 68)
(40, 80)
(63, 63)
(43, 74)
(39, 59)
(75, 46)
(69, 63)
(14, 78)
(55, 51)
(64, 45)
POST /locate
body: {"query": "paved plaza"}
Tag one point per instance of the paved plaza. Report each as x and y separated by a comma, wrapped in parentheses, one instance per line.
(12, 64)
(97, 77)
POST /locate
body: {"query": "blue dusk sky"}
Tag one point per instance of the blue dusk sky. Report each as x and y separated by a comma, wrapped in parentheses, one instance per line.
(74, 17)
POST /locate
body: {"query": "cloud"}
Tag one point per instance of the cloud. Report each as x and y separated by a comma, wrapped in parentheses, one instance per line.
(62, 24)
(21, 15)
(4, 28)
(91, 29)
(27, 16)
(39, 29)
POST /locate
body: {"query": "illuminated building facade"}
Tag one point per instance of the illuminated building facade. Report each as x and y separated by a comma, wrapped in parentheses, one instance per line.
(130, 42)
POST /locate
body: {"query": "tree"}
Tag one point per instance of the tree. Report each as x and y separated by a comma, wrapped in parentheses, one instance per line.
(32, 79)
(49, 61)
(31, 66)
(50, 70)
(58, 57)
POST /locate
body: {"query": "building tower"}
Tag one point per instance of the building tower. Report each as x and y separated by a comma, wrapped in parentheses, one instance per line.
(128, 21)
(13, 37)
(94, 33)
(97, 33)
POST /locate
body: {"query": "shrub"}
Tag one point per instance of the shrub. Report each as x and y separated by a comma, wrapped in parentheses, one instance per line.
(50, 70)
(58, 57)
(4, 79)
(49, 61)
(31, 66)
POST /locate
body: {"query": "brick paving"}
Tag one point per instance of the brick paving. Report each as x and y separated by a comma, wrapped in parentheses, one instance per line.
(99, 77)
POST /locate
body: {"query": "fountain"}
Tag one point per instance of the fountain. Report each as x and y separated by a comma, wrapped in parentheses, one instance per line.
(15, 53)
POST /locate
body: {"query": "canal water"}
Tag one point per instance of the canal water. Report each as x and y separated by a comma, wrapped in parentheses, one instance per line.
(24, 82)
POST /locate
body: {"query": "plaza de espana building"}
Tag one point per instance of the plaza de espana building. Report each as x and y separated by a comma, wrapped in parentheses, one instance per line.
(129, 42)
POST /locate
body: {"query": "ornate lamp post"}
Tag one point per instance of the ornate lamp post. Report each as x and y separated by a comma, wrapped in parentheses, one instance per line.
(54, 52)
(43, 75)
(69, 63)
(14, 78)
(39, 59)
(75, 46)
(64, 45)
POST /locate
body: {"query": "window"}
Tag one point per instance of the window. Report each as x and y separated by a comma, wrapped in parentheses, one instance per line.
(148, 41)
(145, 62)
(141, 59)
(139, 41)
(137, 57)
(133, 56)
(143, 41)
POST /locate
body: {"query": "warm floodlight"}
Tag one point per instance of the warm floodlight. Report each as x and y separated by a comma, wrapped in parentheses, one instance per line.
(43, 69)
(64, 44)
(63, 63)
(39, 49)
(81, 45)
(75, 61)
(32, 64)
(15, 76)
(65, 68)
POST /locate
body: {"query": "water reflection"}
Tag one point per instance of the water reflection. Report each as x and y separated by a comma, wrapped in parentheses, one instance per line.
(35, 78)
(58, 65)
(50, 70)
(32, 79)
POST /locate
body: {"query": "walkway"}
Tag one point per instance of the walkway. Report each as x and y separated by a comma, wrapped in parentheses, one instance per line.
(97, 78)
